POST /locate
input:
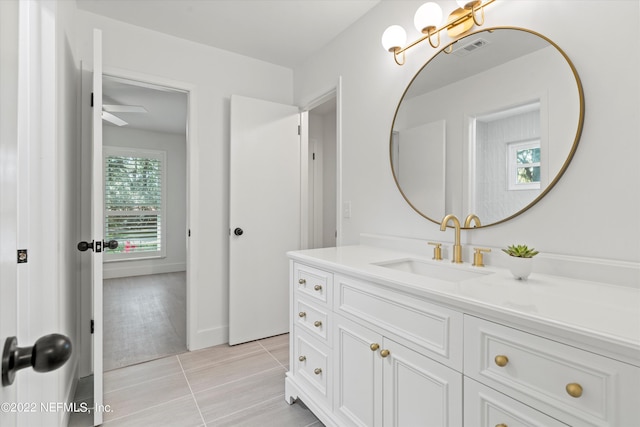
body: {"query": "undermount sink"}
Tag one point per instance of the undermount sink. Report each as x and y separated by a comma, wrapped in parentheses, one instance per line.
(437, 270)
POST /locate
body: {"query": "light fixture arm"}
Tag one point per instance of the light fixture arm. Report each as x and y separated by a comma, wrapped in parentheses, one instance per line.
(456, 20)
(474, 9)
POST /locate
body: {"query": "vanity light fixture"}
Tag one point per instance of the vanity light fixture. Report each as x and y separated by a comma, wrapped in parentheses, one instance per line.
(428, 20)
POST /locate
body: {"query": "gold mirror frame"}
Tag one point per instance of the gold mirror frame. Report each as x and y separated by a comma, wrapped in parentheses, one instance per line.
(567, 161)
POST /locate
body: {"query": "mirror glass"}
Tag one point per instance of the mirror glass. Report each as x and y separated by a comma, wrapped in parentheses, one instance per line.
(488, 128)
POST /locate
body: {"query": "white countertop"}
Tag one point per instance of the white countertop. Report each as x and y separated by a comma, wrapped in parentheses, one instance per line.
(599, 315)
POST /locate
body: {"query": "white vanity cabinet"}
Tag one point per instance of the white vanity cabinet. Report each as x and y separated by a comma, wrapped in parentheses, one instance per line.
(385, 358)
(575, 386)
(370, 351)
(380, 382)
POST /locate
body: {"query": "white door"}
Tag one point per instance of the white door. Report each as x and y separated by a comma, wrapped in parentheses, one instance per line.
(97, 226)
(264, 216)
(8, 193)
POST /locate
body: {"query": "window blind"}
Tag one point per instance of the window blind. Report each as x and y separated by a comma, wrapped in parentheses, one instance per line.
(133, 201)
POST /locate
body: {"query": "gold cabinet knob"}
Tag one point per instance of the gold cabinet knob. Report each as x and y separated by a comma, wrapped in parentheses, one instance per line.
(302, 281)
(501, 425)
(302, 358)
(317, 371)
(574, 389)
(302, 314)
(501, 360)
(317, 323)
(374, 346)
(317, 287)
(384, 353)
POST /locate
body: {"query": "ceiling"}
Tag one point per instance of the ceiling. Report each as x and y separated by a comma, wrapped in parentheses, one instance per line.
(281, 32)
(166, 108)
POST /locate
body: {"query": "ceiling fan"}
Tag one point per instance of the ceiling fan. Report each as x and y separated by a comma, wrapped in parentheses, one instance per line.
(109, 109)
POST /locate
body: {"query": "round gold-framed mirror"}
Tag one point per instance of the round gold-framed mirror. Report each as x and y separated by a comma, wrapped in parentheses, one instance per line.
(489, 128)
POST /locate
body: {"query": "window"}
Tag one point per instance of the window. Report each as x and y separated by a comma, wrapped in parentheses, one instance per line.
(524, 165)
(134, 203)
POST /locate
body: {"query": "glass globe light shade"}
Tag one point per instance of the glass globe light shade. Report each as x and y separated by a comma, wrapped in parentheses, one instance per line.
(462, 3)
(427, 15)
(394, 36)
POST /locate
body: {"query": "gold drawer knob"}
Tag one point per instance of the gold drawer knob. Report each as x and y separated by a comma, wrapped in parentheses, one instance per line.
(317, 323)
(374, 346)
(302, 281)
(574, 389)
(384, 353)
(302, 314)
(501, 360)
(317, 287)
(501, 425)
(302, 358)
(317, 371)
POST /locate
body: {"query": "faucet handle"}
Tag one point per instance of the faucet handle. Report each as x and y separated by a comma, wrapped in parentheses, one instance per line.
(478, 260)
(437, 250)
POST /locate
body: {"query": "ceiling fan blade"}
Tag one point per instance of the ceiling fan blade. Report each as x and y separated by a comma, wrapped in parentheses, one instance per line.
(113, 119)
(124, 108)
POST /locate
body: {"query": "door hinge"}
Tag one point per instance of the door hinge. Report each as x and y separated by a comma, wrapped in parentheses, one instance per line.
(189, 234)
(22, 256)
(92, 99)
(299, 130)
(314, 156)
(92, 326)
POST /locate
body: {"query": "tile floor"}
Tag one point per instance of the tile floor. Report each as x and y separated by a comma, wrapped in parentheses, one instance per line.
(241, 385)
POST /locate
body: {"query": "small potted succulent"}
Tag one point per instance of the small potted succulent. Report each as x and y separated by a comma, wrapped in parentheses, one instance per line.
(521, 260)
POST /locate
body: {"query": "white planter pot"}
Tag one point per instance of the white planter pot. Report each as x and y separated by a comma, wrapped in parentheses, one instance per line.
(520, 267)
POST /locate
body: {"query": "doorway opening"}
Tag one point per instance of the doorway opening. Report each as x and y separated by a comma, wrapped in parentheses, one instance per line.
(323, 173)
(145, 175)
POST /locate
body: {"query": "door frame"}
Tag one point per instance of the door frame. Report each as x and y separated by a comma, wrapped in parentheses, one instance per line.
(334, 92)
(192, 188)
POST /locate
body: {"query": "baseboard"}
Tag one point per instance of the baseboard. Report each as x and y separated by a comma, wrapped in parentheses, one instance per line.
(136, 270)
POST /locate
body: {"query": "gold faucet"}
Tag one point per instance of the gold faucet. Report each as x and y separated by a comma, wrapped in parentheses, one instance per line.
(457, 248)
(470, 217)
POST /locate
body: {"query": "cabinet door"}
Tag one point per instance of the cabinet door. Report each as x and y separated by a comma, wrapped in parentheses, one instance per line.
(417, 390)
(358, 370)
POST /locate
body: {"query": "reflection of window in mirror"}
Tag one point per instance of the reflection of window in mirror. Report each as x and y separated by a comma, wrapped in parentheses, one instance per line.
(523, 161)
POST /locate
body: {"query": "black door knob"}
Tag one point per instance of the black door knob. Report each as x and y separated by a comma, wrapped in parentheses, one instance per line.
(48, 353)
(111, 244)
(238, 231)
(83, 246)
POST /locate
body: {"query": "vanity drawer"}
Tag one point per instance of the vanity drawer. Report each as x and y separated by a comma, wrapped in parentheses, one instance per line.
(485, 407)
(313, 282)
(428, 328)
(572, 385)
(314, 320)
(312, 364)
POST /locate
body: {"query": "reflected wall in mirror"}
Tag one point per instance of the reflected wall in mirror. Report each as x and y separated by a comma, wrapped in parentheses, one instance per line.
(488, 128)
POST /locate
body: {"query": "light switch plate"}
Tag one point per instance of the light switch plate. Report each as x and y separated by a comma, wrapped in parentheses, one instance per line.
(346, 209)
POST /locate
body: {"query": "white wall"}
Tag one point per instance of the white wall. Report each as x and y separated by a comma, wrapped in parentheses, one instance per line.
(214, 76)
(176, 186)
(593, 211)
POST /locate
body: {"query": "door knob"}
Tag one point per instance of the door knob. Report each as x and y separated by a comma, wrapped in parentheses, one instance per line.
(83, 246)
(238, 231)
(111, 244)
(48, 353)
